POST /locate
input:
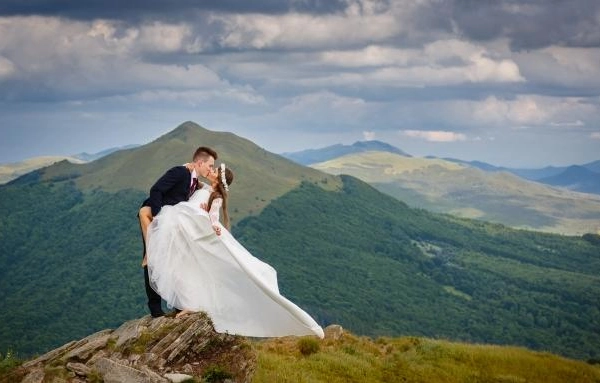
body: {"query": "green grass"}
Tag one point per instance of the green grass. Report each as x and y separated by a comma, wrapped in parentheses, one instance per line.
(410, 359)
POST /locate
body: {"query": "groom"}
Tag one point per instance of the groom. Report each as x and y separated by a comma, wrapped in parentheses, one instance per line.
(176, 185)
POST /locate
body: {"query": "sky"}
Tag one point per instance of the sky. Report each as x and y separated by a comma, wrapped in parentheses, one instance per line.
(511, 83)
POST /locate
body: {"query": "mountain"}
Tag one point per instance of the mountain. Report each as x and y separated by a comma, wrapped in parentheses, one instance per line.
(593, 166)
(576, 178)
(87, 157)
(70, 254)
(582, 178)
(70, 245)
(454, 188)
(9, 172)
(263, 176)
(311, 156)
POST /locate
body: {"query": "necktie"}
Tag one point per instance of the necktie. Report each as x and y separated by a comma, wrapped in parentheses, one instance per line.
(193, 187)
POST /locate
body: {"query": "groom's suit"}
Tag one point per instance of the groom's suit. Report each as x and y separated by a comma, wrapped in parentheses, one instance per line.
(173, 187)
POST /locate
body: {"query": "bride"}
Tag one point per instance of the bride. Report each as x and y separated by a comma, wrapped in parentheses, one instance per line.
(195, 264)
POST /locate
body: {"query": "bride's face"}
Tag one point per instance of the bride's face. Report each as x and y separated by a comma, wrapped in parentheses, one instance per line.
(212, 175)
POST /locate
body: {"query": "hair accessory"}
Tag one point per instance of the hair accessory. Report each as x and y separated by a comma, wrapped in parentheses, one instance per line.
(223, 181)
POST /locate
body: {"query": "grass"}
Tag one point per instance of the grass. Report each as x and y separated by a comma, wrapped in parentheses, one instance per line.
(8, 362)
(410, 359)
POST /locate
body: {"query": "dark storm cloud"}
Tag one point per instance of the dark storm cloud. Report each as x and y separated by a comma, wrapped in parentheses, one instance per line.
(150, 9)
(530, 24)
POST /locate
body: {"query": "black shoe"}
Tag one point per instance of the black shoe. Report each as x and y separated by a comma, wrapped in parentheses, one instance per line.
(157, 314)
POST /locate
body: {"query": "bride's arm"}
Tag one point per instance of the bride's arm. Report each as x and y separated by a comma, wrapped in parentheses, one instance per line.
(214, 216)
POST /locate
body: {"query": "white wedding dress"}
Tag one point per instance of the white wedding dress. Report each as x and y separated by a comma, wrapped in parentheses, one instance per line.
(193, 268)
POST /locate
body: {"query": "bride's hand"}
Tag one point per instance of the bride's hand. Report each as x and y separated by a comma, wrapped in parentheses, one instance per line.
(204, 206)
(217, 229)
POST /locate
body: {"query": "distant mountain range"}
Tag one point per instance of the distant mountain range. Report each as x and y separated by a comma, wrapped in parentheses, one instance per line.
(565, 177)
(10, 171)
(87, 157)
(312, 156)
(14, 170)
(343, 251)
(583, 178)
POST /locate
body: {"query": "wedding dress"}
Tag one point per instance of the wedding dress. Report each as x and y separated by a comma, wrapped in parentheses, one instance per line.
(193, 268)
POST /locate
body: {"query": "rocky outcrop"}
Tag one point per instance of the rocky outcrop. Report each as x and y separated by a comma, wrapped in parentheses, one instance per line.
(146, 350)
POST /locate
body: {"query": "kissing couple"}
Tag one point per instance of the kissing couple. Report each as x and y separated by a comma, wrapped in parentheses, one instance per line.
(192, 261)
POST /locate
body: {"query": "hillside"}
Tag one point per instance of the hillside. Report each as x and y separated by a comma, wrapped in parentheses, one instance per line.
(377, 267)
(70, 252)
(449, 187)
(350, 358)
(576, 178)
(9, 172)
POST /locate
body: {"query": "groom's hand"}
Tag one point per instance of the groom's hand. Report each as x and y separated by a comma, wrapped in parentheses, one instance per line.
(204, 206)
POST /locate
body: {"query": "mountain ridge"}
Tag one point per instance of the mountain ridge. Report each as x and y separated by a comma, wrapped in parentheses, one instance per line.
(310, 156)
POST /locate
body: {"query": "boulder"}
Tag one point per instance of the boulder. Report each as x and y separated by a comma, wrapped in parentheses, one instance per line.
(147, 349)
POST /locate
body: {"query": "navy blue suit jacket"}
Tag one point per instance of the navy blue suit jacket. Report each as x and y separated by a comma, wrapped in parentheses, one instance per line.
(170, 189)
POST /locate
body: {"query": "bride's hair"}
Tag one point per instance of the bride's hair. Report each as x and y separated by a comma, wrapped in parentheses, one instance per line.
(220, 192)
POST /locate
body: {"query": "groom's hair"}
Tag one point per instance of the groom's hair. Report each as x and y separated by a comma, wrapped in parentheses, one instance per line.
(203, 153)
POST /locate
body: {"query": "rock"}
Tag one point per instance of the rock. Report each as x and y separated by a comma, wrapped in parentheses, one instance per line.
(50, 355)
(113, 372)
(334, 332)
(35, 376)
(92, 344)
(79, 368)
(178, 378)
(144, 350)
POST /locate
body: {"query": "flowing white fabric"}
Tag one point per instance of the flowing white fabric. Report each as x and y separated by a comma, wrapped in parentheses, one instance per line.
(193, 268)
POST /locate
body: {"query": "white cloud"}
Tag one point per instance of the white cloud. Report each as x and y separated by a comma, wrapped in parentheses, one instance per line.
(368, 135)
(297, 30)
(7, 68)
(568, 123)
(435, 136)
(565, 66)
(529, 111)
(595, 135)
(76, 58)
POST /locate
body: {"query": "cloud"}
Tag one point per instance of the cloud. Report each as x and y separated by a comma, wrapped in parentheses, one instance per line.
(368, 135)
(297, 30)
(529, 111)
(562, 67)
(61, 59)
(151, 9)
(568, 123)
(7, 68)
(435, 136)
(529, 25)
(595, 135)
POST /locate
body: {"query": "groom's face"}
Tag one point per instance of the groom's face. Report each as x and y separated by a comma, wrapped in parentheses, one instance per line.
(204, 167)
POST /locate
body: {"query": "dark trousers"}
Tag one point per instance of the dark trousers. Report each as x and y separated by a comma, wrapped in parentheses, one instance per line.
(154, 300)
